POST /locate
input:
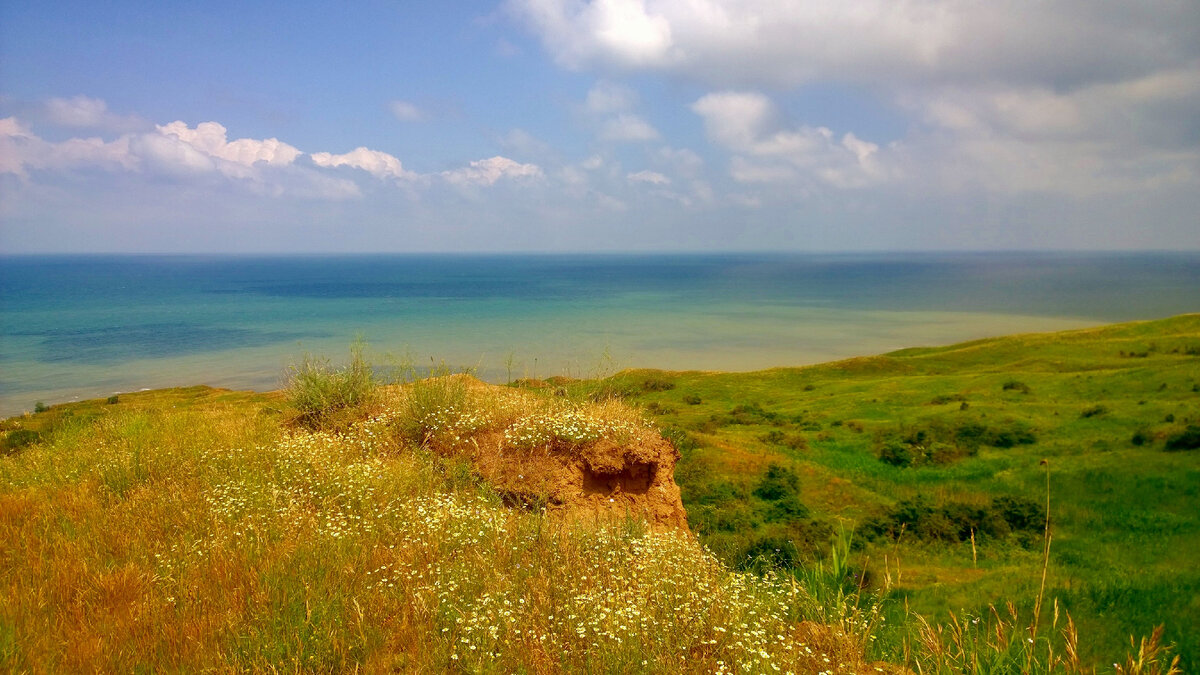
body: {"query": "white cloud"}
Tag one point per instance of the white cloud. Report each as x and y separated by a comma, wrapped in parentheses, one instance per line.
(210, 138)
(488, 171)
(22, 150)
(682, 160)
(621, 31)
(746, 42)
(374, 162)
(628, 127)
(88, 113)
(606, 97)
(1073, 96)
(651, 177)
(406, 112)
(177, 152)
(748, 124)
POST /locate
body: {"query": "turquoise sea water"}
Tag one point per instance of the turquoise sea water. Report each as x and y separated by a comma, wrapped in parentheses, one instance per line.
(88, 326)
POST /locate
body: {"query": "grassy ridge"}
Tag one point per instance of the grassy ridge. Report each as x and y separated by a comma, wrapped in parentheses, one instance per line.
(195, 530)
(926, 440)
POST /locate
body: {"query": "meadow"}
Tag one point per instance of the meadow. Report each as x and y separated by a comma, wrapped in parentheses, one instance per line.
(937, 460)
(885, 514)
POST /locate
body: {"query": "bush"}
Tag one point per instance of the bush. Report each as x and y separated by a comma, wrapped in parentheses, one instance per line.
(692, 399)
(1094, 411)
(318, 392)
(112, 400)
(787, 509)
(752, 413)
(1014, 385)
(657, 384)
(778, 437)
(1188, 439)
(17, 439)
(1021, 513)
(778, 482)
(896, 454)
(40, 407)
(956, 521)
(1141, 437)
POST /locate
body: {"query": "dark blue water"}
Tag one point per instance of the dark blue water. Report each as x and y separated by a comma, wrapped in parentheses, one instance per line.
(84, 326)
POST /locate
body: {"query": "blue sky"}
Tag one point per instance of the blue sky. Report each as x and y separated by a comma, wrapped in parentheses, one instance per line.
(610, 125)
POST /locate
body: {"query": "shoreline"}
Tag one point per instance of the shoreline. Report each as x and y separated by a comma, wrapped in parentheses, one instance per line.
(260, 380)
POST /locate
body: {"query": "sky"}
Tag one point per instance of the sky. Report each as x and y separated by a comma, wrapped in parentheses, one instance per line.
(602, 125)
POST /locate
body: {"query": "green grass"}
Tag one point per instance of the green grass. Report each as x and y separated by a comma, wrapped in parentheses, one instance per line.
(1125, 517)
(325, 396)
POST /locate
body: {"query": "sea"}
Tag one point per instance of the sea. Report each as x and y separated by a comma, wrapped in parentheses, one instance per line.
(79, 327)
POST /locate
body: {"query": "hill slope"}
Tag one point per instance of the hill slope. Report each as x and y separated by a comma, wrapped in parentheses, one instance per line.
(920, 449)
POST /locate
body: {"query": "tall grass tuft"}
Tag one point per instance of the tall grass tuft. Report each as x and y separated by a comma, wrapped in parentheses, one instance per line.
(323, 395)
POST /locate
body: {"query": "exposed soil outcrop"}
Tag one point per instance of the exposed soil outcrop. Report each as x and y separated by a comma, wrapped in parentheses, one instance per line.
(600, 481)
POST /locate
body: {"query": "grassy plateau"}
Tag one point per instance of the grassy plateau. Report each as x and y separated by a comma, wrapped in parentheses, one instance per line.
(1020, 504)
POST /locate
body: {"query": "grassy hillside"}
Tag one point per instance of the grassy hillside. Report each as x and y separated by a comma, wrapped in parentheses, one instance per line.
(343, 527)
(918, 450)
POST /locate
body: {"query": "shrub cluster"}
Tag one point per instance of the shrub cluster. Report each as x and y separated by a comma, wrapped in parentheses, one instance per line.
(1188, 439)
(955, 521)
(937, 443)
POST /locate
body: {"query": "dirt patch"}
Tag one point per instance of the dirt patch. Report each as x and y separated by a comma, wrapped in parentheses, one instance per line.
(601, 481)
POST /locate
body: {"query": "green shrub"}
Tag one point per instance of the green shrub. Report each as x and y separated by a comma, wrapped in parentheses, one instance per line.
(656, 408)
(1015, 385)
(787, 509)
(1021, 513)
(1141, 437)
(1094, 411)
(14, 441)
(752, 413)
(657, 384)
(896, 454)
(112, 400)
(956, 521)
(318, 391)
(40, 407)
(778, 482)
(1188, 439)
(692, 399)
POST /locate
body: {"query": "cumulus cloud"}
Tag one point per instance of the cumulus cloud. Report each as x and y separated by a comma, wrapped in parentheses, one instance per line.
(488, 171)
(748, 124)
(374, 162)
(210, 138)
(174, 151)
(765, 41)
(621, 31)
(1071, 96)
(406, 112)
